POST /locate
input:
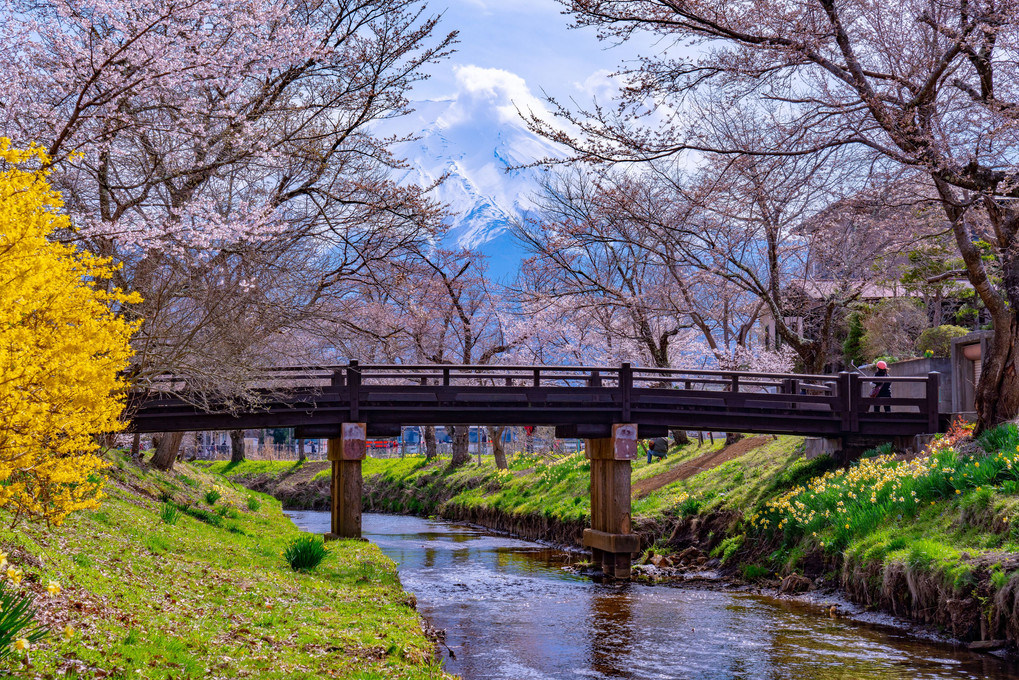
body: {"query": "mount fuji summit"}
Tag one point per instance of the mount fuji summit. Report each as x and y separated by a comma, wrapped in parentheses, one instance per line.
(479, 142)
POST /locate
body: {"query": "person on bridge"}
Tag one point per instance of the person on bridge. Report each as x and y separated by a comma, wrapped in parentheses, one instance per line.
(659, 448)
(882, 390)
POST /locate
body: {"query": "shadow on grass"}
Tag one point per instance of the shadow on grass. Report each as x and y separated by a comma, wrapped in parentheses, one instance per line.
(293, 469)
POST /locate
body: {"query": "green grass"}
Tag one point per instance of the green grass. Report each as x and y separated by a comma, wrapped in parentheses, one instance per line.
(943, 522)
(558, 488)
(881, 514)
(169, 513)
(305, 552)
(197, 600)
(251, 468)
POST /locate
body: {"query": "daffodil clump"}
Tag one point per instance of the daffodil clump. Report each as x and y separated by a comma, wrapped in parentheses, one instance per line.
(213, 494)
(18, 629)
(559, 470)
(842, 504)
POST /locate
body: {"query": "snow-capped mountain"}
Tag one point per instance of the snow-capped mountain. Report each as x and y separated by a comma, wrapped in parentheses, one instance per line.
(475, 138)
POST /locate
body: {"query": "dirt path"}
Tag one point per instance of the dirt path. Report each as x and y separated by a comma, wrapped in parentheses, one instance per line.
(690, 468)
(294, 487)
(304, 474)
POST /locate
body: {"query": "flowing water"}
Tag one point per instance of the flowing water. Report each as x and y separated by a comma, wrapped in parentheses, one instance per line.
(510, 611)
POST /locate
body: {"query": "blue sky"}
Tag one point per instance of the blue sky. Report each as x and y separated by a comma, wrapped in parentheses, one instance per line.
(529, 39)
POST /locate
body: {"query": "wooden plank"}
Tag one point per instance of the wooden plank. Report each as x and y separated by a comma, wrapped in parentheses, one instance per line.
(612, 543)
(491, 398)
(422, 397)
(579, 399)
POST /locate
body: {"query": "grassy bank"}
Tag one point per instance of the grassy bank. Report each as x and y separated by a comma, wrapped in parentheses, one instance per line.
(209, 596)
(934, 538)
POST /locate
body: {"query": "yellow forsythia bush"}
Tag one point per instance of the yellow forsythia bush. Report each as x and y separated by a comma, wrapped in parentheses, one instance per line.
(61, 348)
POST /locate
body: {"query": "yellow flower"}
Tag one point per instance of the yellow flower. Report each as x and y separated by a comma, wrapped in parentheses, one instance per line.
(957, 491)
(14, 575)
(64, 347)
(3, 560)
(21, 644)
(68, 632)
(53, 588)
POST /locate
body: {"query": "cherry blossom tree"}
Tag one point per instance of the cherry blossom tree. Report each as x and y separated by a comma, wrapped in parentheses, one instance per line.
(434, 306)
(922, 86)
(186, 132)
(596, 252)
(196, 141)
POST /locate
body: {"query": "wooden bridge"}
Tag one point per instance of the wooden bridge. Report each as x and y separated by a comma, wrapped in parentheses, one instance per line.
(609, 406)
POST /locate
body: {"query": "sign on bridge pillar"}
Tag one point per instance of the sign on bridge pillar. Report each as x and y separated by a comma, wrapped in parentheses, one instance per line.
(609, 537)
(346, 454)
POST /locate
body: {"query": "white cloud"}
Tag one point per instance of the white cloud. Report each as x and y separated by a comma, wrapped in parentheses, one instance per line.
(602, 85)
(492, 89)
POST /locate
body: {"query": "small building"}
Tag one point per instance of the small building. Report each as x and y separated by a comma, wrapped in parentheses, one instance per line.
(967, 360)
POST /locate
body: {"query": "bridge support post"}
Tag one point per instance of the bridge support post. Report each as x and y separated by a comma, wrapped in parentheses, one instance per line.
(609, 537)
(346, 454)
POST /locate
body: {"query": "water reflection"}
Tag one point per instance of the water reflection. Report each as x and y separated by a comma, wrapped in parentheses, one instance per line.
(510, 611)
(611, 631)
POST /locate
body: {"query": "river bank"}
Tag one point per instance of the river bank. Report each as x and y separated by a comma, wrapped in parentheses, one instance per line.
(510, 608)
(208, 595)
(929, 539)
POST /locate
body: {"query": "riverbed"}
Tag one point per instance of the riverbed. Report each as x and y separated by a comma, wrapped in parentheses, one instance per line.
(510, 611)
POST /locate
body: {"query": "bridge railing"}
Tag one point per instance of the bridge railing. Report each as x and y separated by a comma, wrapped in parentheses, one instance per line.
(615, 390)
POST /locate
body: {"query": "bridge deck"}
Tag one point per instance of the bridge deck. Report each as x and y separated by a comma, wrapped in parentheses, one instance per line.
(579, 401)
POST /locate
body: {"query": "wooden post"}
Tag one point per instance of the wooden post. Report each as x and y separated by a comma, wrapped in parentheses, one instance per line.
(844, 401)
(353, 389)
(852, 403)
(933, 402)
(610, 538)
(346, 454)
(625, 387)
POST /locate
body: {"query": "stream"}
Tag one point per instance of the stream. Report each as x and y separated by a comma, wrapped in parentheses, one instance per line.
(510, 611)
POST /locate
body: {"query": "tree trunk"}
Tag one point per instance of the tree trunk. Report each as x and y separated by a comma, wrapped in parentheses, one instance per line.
(461, 445)
(166, 451)
(136, 446)
(429, 437)
(732, 437)
(681, 437)
(236, 446)
(301, 457)
(498, 447)
(997, 393)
